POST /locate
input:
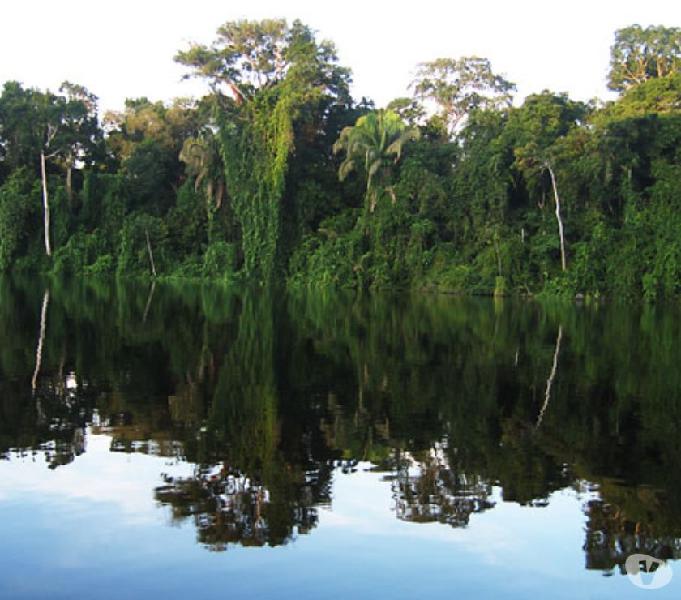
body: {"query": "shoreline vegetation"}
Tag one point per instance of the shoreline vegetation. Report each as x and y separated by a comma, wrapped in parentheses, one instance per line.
(278, 175)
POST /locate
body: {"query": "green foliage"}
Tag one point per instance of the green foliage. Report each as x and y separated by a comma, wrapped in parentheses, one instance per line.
(446, 274)
(256, 152)
(372, 145)
(104, 265)
(332, 257)
(660, 95)
(201, 156)
(461, 86)
(189, 222)
(272, 70)
(83, 254)
(147, 174)
(640, 54)
(219, 261)
(278, 173)
(19, 205)
(141, 234)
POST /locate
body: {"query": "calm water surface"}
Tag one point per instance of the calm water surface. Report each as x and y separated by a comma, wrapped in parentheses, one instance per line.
(186, 441)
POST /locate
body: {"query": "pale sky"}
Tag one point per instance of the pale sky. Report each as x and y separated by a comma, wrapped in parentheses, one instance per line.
(125, 48)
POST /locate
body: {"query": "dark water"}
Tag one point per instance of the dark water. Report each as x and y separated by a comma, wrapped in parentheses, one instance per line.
(187, 441)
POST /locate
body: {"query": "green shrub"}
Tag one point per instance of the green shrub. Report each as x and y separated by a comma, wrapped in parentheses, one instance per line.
(219, 261)
(19, 215)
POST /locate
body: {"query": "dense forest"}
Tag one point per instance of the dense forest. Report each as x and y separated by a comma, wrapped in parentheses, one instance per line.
(278, 174)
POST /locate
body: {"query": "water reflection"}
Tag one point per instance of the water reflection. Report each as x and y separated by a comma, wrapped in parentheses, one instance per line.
(429, 489)
(227, 506)
(271, 397)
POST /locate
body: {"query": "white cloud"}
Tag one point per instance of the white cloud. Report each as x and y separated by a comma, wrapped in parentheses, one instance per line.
(98, 476)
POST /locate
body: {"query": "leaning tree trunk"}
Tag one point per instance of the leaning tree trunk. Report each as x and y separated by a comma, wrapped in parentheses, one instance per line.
(46, 204)
(151, 254)
(558, 217)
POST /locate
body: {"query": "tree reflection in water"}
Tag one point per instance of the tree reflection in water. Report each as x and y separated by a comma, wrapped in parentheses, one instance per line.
(430, 489)
(612, 536)
(268, 394)
(227, 506)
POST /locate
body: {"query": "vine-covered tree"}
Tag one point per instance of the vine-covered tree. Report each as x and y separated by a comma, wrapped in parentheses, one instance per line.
(264, 73)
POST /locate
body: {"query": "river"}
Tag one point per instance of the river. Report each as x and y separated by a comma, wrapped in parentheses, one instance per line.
(178, 440)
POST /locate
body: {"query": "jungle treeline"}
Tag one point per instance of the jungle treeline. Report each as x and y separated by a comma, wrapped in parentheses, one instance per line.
(280, 175)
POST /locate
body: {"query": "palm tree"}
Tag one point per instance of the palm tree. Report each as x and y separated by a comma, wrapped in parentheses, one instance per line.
(202, 158)
(374, 143)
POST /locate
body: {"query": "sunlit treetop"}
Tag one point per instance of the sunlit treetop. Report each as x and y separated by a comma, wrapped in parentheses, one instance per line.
(458, 86)
(251, 55)
(640, 54)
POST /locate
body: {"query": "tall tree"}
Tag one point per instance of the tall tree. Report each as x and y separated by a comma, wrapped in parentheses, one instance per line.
(534, 131)
(142, 120)
(265, 75)
(245, 56)
(40, 126)
(80, 136)
(458, 86)
(69, 132)
(20, 135)
(409, 109)
(639, 54)
(30, 121)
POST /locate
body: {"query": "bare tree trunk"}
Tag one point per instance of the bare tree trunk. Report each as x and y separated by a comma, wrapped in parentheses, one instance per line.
(552, 376)
(151, 254)
(46, 204)
(558, 217)
(41, 340)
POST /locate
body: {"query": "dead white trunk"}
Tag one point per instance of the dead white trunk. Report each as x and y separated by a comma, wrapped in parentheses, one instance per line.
(552, 376)
(558, 217)
(41, 340)
(151, 254)
(46, 204)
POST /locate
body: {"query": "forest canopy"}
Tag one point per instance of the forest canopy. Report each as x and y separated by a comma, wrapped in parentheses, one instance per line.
(280, 175)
